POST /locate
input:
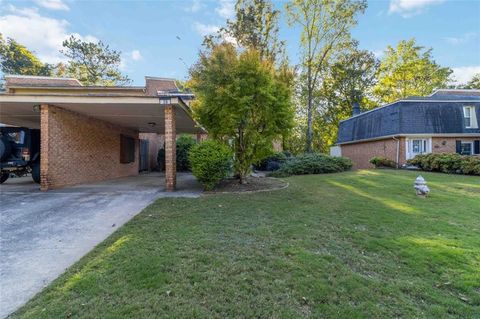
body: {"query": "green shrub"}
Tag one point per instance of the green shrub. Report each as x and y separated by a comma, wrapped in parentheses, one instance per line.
(210, 162)
(313, 164)
(379, 161)
(450, 163)
(184, 144)
(272, 162)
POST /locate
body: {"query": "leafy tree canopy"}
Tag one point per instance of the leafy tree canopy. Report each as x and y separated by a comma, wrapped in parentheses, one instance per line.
(255, 26)
(17, 59)
(474, 83)
(93, 63)
(243, 100)
(409, 70)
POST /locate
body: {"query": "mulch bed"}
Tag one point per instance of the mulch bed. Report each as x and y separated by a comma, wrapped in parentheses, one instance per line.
(254, 184)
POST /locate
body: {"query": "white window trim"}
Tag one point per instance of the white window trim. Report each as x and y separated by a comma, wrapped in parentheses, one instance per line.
(473, 116)
(472, 151)
(408, 154)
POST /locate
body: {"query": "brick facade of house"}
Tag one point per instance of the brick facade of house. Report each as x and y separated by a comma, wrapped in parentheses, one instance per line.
(361, 153)
(78, 149)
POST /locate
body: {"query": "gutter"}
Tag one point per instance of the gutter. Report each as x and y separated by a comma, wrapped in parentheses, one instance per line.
(398, 151)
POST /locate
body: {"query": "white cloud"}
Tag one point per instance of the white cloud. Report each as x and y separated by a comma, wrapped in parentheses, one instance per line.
(136, 55)
(409, 8)
(378, 53)
(461, 39)
(41, 34)
(205, 29)
(196, 6)
(464, 74)
(226, 9)
(53, 4)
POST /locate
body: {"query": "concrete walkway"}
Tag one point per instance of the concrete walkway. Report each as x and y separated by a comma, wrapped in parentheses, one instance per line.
(43, 233)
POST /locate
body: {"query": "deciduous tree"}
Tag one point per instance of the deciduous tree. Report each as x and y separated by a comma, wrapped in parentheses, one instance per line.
(409, 70)
(242, 100)
(325, 27)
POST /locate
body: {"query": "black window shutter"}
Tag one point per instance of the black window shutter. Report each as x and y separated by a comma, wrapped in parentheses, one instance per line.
(458, 147)
(476, 147)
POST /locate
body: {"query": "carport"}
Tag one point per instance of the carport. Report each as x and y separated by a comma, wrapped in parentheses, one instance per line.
(89, 134)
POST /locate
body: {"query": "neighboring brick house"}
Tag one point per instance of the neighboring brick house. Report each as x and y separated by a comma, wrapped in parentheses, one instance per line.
(92, 133)
(447, 121)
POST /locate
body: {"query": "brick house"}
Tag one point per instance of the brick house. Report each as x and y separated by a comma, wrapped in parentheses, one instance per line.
(447, 121)
(93, 133)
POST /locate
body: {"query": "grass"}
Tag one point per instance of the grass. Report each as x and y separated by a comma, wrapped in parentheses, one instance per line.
(349, 245)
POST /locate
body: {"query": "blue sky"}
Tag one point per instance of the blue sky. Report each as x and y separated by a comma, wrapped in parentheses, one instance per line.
(146, 31)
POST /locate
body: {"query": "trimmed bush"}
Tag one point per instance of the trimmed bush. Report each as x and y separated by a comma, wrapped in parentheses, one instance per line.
(313, 164)
(272, 162)
(449, 163)
(184, 144)
(379, 161)
(211, 162)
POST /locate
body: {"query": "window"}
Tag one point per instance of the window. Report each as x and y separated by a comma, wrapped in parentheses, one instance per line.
(416, 146)
(470, 117)
(466, 148)
(127, 149)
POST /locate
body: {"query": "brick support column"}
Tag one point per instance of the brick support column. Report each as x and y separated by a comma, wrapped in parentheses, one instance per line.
(44, 147)
(170, 149)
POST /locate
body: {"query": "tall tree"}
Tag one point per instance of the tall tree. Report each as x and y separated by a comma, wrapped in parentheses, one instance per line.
(474, 83)
(325, 27)
(408, 70)
(255, 26)
(15, 58)
(93, 63)
(243, 99)
(349, 80)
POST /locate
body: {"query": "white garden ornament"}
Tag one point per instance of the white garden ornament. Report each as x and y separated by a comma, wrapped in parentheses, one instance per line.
(421, 187)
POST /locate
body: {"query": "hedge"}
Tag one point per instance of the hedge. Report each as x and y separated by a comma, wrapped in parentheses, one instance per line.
(450, 163)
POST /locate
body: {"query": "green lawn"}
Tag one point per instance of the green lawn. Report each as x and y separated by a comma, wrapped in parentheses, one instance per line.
(349, 245)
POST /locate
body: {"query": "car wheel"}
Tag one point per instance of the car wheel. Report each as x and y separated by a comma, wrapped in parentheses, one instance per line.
(4, 177)
(36, 172)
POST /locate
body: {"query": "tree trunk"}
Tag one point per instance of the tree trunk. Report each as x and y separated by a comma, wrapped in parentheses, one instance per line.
(308, 146)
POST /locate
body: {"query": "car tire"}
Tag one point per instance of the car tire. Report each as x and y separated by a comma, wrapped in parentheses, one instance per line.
(36, 172)
(5, 148)
(4, 177)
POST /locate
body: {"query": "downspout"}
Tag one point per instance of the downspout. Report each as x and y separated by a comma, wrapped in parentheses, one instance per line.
(398, 151)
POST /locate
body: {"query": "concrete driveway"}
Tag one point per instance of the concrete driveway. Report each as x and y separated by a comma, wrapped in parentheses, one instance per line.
(43, 233)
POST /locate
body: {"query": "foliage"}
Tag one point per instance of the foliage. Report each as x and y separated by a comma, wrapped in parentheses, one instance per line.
(272, 162)
(17, 59)
(184, 144)
(409, 70)
(242, 99)
(354, 245)
(210, 162)
(450, 163)
(325, 30)
(379, 161)
(349, 80)
(474, 83)
(255, 27)
(93, 63)
(313, 163)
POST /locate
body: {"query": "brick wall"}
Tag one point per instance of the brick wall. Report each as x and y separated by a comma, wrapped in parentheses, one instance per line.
(448, 144)
(77, 149)
(361, 153)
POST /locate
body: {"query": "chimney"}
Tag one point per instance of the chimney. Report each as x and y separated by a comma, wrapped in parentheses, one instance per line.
(356, 109)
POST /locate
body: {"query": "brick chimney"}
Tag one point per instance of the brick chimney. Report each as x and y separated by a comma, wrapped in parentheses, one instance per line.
(356, 109)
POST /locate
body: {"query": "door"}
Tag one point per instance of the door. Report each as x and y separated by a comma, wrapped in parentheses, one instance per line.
(143, 162)
(417, 146)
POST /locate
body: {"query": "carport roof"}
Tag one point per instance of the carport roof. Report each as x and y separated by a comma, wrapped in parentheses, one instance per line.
(129, 107)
